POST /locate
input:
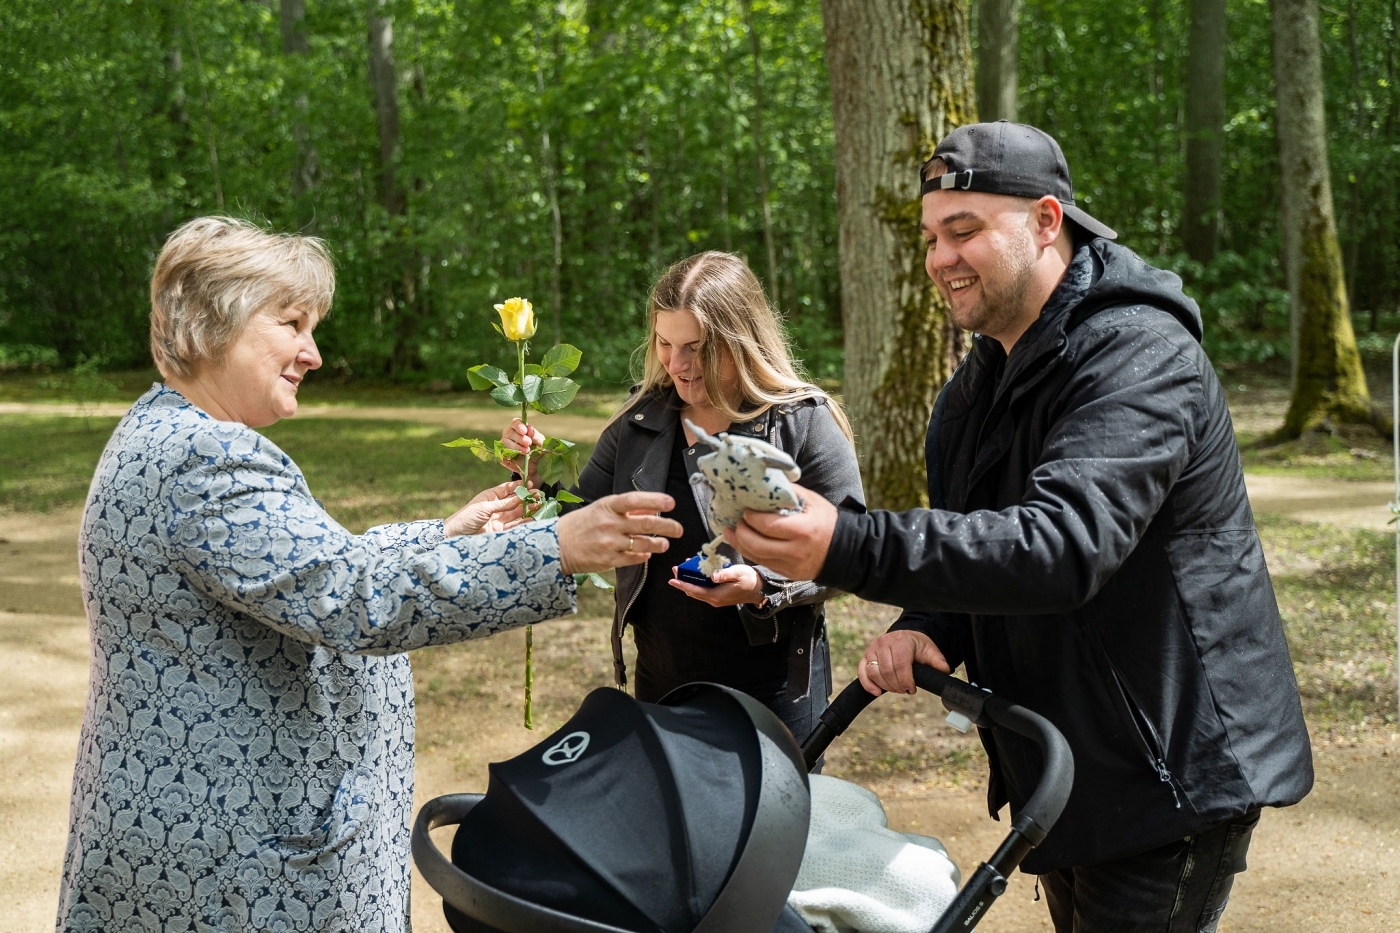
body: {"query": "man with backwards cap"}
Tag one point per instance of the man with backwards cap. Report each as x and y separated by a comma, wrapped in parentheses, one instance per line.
(1089, 553)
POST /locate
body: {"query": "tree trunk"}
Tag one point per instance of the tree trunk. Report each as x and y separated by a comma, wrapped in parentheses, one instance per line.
(295, 49)
(901, 79)
(1205, 124)
(759, 146)
(997, 37)
(551, 189)
(398, 288)
(385, 82)
(1328, 381)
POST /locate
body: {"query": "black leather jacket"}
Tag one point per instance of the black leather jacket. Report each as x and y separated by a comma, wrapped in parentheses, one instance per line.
(634, 453)
(1092, 556)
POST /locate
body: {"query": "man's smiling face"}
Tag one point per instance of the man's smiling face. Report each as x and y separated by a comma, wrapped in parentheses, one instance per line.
(982, 255)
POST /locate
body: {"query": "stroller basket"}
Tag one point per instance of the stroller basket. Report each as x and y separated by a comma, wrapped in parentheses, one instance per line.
(988, 882)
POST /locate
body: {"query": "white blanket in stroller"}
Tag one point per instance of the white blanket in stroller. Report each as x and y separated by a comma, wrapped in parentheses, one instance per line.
(858, 874)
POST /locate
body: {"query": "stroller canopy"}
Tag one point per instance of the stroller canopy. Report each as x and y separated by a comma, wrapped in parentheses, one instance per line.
(690, 815)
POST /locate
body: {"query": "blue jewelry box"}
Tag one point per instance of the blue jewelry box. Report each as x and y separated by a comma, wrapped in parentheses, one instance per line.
(690, 573)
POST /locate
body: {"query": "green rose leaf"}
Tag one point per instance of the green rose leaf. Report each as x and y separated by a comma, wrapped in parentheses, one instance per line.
(557, 445)
(508, 395)
(534, 369)
(566, 496)
(523, 494)
(556, 393)
(532, 389)
(477, 446)
(596, 579)
(485, 376)
(560, 467)
(550, 509)
(561, 360)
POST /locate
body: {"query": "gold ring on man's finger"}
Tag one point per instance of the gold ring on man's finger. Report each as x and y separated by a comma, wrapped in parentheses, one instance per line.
(631, 542)
(872, 663)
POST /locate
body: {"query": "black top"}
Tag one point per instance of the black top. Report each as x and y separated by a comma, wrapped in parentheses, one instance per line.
(1095, 560)
(680, 639)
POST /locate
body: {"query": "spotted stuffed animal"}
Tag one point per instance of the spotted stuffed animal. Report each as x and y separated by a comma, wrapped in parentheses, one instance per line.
(741, 473)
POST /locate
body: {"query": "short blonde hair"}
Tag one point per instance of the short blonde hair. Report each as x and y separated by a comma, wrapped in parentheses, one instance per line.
(214, 273)
(728, 301)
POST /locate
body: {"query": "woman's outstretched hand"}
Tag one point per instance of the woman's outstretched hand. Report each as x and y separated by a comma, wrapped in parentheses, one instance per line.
(738, 584)
(616, 531)
(494, 509)
(520, 437)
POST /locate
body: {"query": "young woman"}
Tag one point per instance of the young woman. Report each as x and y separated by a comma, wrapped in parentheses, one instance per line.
(717, 356)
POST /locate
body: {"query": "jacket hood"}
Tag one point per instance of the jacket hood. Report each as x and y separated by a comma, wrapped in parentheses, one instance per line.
(1122, 278)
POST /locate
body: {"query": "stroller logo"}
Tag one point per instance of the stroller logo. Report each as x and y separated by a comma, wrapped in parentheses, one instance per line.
(567, 750)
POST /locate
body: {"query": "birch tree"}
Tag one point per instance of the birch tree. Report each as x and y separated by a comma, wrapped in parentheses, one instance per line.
(901, 79)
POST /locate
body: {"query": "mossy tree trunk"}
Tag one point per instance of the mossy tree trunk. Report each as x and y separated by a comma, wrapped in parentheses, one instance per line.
(1328, 381)
(901, 79)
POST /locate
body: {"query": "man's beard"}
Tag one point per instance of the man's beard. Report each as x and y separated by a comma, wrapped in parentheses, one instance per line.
(1003, 294)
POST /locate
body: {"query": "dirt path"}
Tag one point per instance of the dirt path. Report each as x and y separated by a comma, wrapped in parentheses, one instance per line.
(1329, 864)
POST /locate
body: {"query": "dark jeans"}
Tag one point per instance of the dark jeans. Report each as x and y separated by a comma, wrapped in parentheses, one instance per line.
(1181, 887)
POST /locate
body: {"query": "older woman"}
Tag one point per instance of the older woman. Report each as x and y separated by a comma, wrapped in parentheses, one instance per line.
(246, 760)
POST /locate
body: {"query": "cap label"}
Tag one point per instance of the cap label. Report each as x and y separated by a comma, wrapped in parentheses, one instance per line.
(567, 750)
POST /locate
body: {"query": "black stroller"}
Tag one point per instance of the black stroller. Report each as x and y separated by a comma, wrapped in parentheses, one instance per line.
(680, 820)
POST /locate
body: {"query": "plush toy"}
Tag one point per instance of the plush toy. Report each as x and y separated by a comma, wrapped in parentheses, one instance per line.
(741, 473)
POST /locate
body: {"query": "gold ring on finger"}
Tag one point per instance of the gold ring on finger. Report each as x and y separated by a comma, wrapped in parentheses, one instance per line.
(631, 542)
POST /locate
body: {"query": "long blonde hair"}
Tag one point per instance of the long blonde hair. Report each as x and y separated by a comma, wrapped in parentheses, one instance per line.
(728, 301)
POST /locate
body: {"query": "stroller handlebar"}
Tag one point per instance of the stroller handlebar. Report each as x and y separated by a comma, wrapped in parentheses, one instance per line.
(984, 709)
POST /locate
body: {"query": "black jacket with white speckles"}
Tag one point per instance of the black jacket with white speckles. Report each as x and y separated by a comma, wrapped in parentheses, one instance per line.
(1091, 554)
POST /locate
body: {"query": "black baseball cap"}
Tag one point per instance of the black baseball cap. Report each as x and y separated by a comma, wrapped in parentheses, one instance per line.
(1008, 158)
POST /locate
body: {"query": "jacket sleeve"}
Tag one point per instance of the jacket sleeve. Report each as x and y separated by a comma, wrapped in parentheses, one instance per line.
(597, 479)
(242, 528)
(829, 467)
(951, 632)
(1121, 437)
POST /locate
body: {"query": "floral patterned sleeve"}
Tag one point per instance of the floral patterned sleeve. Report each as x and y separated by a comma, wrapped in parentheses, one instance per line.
(243, 528)
(427, 533)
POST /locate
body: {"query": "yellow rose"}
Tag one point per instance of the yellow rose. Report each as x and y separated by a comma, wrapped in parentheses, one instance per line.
(517, 319)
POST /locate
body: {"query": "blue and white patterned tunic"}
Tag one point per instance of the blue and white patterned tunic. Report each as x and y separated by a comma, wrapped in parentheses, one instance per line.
(246, 760)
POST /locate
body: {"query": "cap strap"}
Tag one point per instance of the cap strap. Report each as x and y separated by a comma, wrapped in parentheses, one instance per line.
(961, 181)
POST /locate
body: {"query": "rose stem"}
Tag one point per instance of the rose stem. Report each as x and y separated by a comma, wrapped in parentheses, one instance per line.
(529, 629)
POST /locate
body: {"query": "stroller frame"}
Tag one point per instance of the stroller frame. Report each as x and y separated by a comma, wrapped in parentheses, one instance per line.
(979, 706)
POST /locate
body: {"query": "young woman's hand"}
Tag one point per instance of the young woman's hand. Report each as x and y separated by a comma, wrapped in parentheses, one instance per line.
(738, 584)
(520, 437)
(493, 509)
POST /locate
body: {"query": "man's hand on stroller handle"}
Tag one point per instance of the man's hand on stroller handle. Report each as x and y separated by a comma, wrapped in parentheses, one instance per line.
(888, 661)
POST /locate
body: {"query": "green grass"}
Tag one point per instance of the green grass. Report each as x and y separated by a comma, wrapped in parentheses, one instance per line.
(1353, 452)
(365, 472)
(1336, 591)
(320, 388)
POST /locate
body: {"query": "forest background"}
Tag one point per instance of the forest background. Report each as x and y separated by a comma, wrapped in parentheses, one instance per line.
(457, 152)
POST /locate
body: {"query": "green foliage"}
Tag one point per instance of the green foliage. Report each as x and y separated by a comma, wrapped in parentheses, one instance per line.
(1108, 80)
(121, 120)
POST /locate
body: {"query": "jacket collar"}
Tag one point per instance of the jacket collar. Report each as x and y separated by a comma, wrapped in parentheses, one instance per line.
(662, 409)
(1046, 335)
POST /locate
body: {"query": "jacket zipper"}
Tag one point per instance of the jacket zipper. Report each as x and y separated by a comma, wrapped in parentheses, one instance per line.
(1143, 725)
(636, 590)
